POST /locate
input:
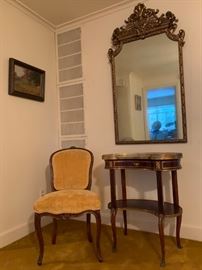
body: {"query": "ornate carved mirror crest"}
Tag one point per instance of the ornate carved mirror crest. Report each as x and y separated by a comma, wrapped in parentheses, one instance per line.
(147, 78)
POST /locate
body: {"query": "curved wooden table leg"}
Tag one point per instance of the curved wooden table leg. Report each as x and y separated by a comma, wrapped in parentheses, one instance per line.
(176, 204)
(125, 222)
(162, 242)
(178, 226)
(113, 224)
(98, 232)
(37, 222)
(113, 208)
(124, 197)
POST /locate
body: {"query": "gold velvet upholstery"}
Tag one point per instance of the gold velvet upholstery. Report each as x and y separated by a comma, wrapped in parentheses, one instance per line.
(71, 181)
(71, 165)
(67, 201)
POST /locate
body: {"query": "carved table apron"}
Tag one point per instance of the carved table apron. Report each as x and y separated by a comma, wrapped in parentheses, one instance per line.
(157, 162)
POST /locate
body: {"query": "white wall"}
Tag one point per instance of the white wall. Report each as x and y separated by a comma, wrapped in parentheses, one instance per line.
(96, 40)
(28, 129)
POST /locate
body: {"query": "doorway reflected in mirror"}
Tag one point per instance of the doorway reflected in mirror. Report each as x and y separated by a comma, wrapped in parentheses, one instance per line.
(161, 113)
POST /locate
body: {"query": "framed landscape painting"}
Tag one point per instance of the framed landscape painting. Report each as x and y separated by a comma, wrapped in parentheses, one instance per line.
(26, 81)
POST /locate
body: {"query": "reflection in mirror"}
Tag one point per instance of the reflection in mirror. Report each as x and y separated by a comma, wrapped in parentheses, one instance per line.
(148, 87)
(148, 90)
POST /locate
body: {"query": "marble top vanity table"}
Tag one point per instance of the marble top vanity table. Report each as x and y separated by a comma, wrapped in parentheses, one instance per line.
(157, 162)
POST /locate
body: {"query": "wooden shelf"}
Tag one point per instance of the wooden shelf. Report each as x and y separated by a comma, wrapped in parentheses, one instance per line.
(150, 206)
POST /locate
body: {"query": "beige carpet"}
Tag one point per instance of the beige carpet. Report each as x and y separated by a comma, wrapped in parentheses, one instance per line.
(137, 250)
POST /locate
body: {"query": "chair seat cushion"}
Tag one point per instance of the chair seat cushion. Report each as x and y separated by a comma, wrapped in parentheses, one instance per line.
(67, 202)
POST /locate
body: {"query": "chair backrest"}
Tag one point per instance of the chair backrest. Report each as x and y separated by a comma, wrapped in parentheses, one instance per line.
(72, 168)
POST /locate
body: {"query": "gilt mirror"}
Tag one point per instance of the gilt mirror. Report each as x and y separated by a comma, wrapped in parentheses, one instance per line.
(147, 78)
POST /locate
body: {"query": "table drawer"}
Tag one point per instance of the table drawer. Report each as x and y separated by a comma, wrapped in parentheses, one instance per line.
(124, 164)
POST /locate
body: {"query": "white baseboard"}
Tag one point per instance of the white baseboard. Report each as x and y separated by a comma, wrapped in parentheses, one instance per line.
(135, 222)
(149, 223)
(191, 232)
(15, 233)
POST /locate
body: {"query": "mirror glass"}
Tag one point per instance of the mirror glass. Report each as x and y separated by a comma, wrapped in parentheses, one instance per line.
(148, 91)
(148, 80)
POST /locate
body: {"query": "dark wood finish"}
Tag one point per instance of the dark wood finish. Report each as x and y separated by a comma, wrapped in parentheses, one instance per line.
(39, 234)
(149, 206)
(176, 203)
(88, 221)
(54, 235)
(98, 231)
(37, 223)
(162, 241)
(144, 23)
(160, 192)
(157, 162)
(124, 196)
(113, 209)
(175, 188)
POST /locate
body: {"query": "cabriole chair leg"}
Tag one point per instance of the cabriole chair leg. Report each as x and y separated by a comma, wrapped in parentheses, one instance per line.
(37, 222)
(88, 224)
(98, 232)
(54, 235)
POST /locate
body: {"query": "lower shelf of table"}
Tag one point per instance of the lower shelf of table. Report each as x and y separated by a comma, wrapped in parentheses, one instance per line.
(150, 206)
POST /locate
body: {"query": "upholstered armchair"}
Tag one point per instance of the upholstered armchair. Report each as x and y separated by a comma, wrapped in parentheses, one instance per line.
(71, 196)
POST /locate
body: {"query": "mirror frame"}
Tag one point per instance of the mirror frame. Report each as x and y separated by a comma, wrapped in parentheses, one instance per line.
(144, 23)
